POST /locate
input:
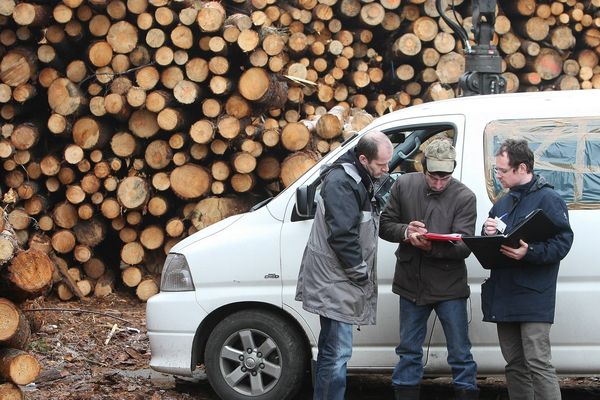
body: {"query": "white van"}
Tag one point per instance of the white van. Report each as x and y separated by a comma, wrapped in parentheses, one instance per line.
(227, 292)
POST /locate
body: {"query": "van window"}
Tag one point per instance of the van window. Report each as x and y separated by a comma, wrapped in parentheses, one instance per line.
(409, 143)
(566, 150)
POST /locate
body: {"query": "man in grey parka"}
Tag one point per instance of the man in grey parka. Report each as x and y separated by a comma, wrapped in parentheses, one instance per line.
(337, 278)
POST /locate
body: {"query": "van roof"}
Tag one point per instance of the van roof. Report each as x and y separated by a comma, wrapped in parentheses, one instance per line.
(575, 102)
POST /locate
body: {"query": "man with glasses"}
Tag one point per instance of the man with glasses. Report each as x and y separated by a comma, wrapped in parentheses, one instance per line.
(521, 299)
(431, 275)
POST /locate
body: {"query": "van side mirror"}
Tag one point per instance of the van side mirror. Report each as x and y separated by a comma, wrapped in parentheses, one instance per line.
(305, 202)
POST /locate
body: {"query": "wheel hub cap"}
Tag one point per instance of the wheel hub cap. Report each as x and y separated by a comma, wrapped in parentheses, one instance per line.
(250, 363)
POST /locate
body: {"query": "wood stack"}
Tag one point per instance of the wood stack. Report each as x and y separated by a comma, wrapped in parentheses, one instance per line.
(131, 124)
(24, 274)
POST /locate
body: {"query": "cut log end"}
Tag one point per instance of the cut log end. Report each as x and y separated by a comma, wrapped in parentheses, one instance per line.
(18, 366)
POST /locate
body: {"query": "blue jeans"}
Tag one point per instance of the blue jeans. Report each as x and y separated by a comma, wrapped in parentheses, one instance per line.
(335, 349)
(413, 329)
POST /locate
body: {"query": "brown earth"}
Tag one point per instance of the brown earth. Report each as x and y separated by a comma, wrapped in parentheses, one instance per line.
(81, 359)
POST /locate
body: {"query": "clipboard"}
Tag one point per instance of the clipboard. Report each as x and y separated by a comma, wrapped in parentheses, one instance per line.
(536, 227)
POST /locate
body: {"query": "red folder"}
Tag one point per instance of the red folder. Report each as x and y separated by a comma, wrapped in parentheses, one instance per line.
(452, 237)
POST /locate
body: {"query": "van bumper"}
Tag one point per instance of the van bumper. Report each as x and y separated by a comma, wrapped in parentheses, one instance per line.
(172, 319)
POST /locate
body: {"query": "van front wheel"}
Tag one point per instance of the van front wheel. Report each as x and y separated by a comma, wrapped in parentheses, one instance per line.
(255, 355)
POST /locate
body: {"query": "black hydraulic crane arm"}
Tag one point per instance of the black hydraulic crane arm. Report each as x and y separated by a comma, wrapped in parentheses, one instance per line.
(483, 64)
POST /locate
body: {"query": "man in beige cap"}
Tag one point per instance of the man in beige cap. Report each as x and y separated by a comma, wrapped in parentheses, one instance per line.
(431, 274)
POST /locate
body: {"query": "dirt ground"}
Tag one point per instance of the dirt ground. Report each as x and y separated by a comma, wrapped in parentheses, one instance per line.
(82, 360)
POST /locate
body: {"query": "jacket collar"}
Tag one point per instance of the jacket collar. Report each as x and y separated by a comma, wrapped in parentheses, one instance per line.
(535, 184)
(351, 158)
(429, 192)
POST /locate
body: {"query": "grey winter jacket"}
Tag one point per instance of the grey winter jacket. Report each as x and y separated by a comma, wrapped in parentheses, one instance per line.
(337, 276)
(440, 274)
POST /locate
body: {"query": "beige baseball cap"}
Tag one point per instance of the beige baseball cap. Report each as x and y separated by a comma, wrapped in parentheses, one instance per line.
(440, 156)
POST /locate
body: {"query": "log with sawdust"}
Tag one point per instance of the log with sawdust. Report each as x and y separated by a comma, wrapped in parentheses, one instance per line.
(213, 209)
(258, 85)
(28, 275)
(10, 391)
(296, 164)
(15, 331)
(18, 367)
(147, 288)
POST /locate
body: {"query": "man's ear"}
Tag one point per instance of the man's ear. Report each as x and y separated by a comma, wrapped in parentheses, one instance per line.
(363, 160)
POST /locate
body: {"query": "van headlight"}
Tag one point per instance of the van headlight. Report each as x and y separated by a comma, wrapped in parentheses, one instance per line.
(176, 275)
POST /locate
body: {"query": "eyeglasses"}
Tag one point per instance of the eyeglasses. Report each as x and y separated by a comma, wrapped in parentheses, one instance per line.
(502, 171)
(437, 178)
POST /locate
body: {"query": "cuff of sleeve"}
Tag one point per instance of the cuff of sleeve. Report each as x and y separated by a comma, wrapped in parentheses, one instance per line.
(530, 252)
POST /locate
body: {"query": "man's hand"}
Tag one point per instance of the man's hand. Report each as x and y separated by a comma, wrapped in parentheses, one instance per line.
(490, 226)
(416, 240)
(415, 227)
(517, 253)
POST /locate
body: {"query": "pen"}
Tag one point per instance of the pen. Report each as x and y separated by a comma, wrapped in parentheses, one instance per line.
(503, 215)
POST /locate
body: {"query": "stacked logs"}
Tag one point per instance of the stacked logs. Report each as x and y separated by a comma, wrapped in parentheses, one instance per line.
(24, 274)
(17, 366)
(128, 125)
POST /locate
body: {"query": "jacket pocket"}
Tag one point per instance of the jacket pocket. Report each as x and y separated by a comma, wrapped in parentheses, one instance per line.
(445, 278)
(487, 297)
(346, 298)
(533, 280)
(327, 267)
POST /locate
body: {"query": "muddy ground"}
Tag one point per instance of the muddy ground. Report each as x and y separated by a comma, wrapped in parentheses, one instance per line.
(81, 359)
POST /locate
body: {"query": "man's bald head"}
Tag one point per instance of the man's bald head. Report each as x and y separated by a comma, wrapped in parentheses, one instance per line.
(371, 144)
(374, 151)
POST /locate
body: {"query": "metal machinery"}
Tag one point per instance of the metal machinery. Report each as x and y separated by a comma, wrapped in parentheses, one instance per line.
(483, 64)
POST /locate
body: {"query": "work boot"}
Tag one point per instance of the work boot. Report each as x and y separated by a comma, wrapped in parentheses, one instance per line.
(466, 394)
(407, 392)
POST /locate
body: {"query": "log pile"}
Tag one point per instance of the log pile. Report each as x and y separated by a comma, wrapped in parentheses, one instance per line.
(24, 274)
(126, 125)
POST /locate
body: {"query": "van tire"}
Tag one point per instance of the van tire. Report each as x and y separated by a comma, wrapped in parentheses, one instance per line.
(234, 349)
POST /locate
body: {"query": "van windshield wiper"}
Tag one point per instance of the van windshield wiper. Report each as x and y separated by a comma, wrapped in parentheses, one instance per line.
(261, 203)
(349, 138)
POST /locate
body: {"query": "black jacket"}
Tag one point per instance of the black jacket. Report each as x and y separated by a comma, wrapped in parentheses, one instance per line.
(527, 293)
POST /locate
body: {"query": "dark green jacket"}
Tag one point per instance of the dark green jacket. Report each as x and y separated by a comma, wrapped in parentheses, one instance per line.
(441, 274)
